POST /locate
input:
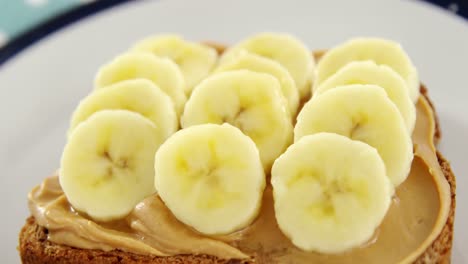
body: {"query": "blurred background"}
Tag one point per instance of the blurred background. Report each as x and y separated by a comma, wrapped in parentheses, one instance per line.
(25, 21)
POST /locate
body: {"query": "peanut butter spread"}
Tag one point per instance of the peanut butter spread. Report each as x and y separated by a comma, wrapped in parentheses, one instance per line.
(418, 212)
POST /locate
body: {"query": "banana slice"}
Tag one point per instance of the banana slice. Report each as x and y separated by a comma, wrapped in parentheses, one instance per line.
(248, 100)
(195, 60)
(138, 95)
(381, 51)
(368, 72)
(364, 113)
(107, 165)
(253, 62)
(138, 65)
(211, 178)
(330, 193)
(286, 49)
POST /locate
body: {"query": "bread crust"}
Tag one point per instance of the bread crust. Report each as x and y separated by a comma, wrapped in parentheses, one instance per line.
(440, 251)
(437, 132)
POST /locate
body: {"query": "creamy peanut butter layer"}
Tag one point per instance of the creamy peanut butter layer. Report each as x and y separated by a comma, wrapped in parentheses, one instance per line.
(417, 215)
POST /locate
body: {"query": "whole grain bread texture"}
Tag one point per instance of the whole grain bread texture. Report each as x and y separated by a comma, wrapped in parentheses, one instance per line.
(35, 248)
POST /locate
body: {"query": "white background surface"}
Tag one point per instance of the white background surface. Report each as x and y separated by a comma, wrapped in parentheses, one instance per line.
(41, 86)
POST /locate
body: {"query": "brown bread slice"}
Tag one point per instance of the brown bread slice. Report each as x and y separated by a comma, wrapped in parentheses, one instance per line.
(34, 248)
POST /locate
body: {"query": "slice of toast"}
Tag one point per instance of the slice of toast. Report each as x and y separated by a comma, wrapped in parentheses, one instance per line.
(34, 248)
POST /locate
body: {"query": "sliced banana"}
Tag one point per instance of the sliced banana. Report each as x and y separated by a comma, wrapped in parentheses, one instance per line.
(138, 65)
(286, 49)
(138, 95)
(364, 113)
(330, 192)
(211, 178)
(248, 100)
(368, 72)
(107, 165)
(253, 62)
(194, 59)
(381, 51)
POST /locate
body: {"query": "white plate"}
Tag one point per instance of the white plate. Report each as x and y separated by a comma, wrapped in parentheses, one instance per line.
(41, 86)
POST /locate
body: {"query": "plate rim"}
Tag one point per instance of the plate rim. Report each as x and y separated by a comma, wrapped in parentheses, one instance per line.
(56, 23)
(34, 35)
